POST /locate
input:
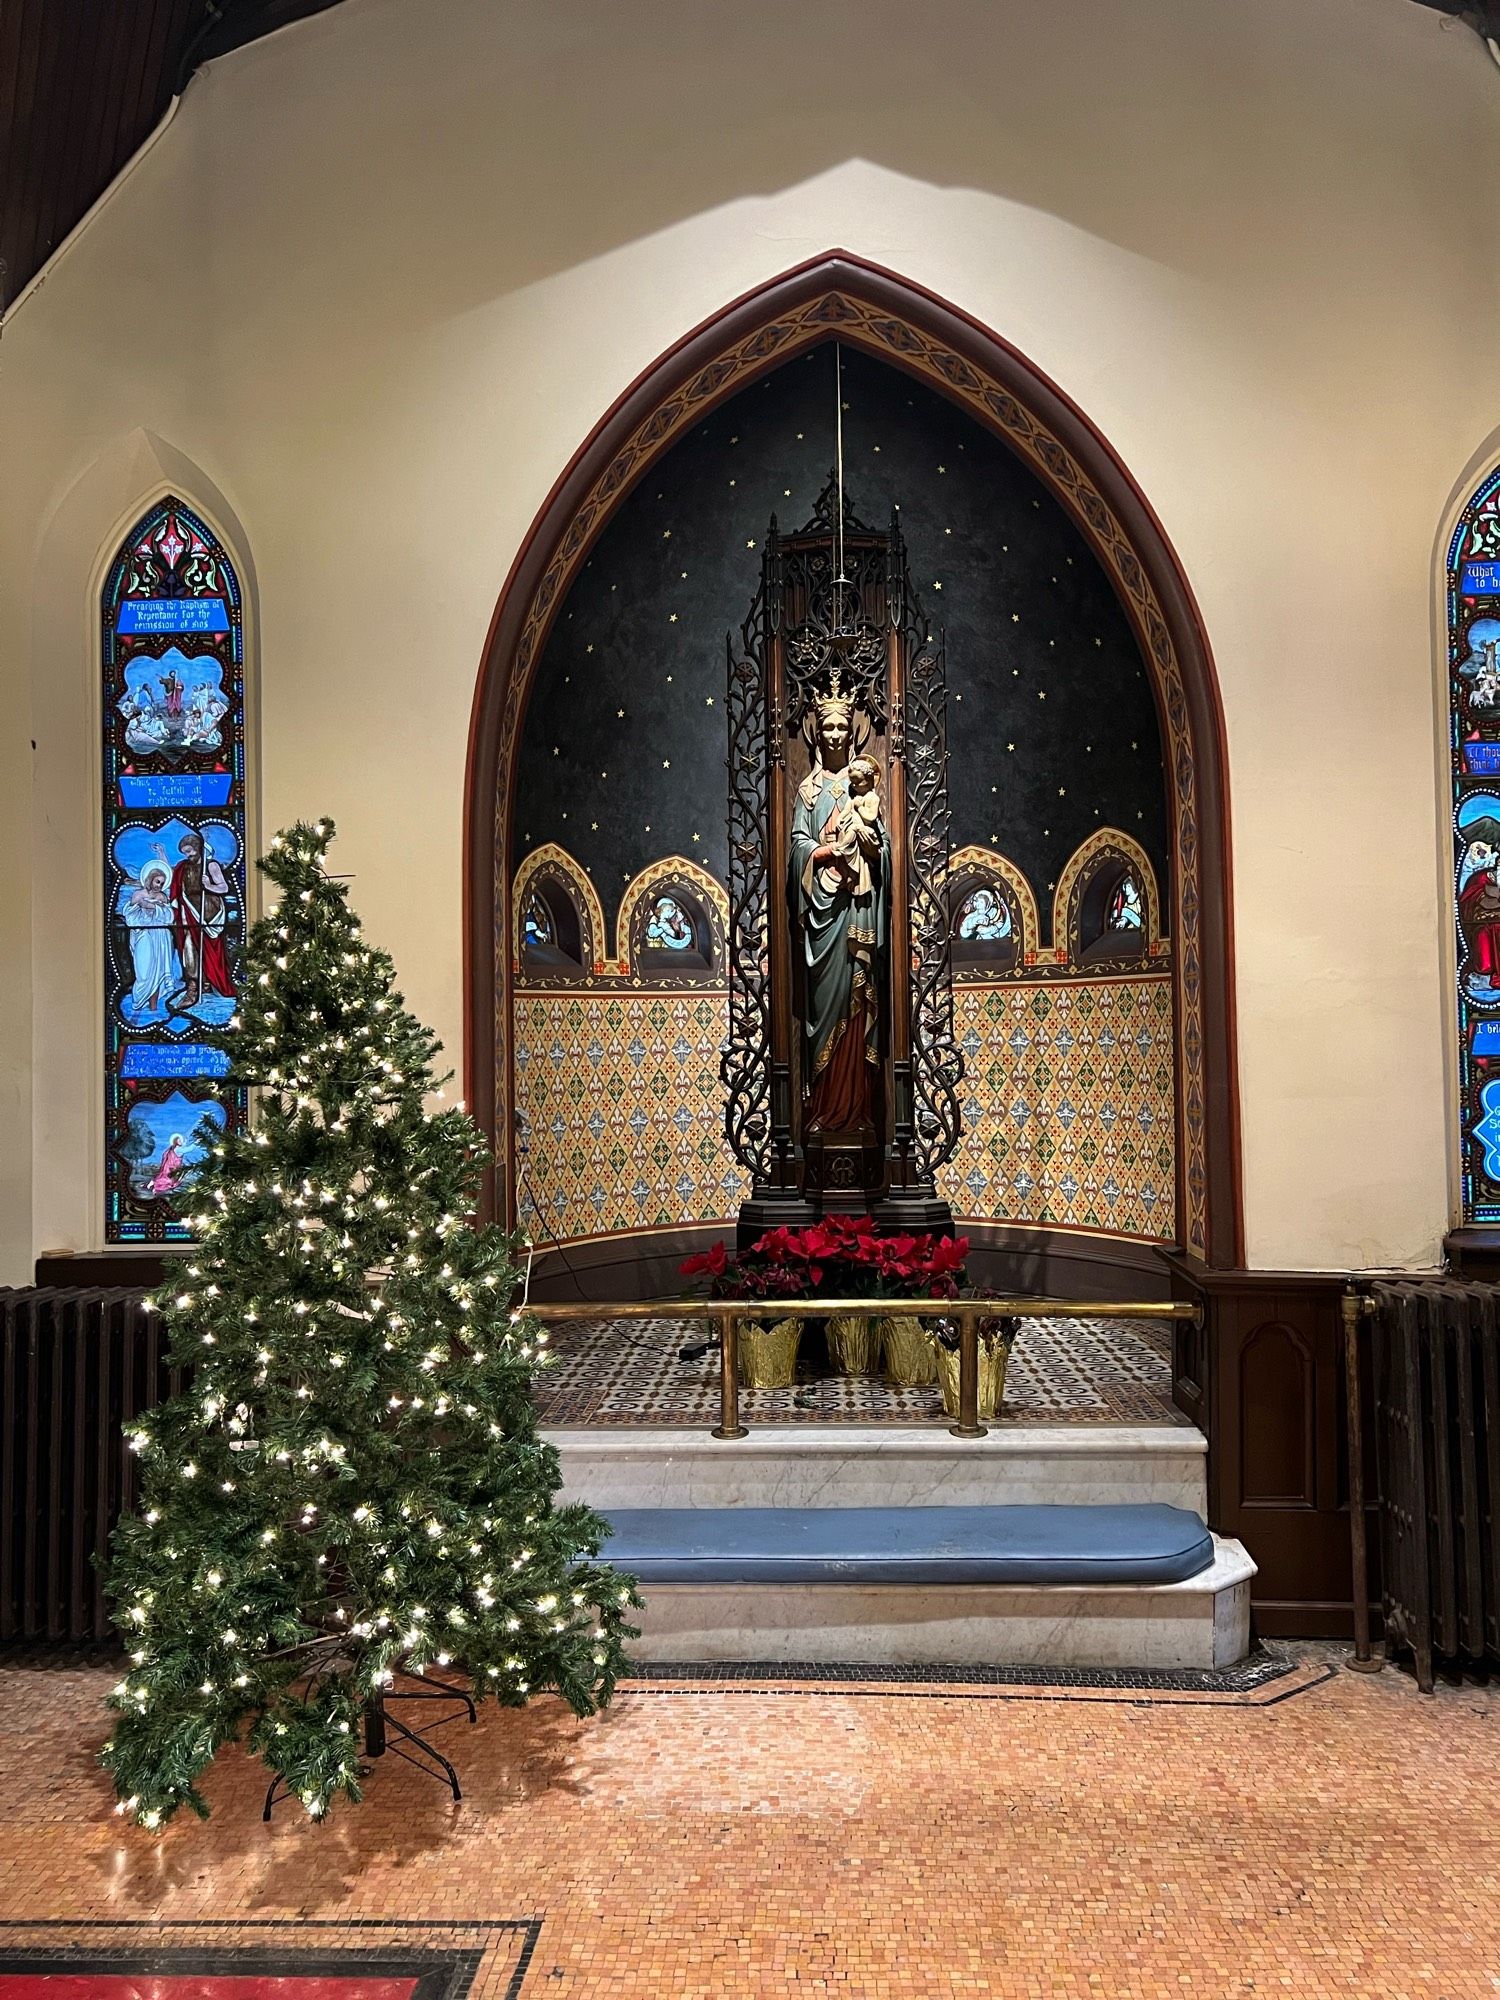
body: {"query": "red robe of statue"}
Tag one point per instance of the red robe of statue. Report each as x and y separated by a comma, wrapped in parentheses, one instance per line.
(1479, 913)
(198, 929)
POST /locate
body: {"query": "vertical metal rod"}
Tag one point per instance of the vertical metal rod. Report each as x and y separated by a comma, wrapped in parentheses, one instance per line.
(1364, 1661)
(899, 956)
(729, 1425)
(968, 1425)
(374, 1726)
(785, 1124)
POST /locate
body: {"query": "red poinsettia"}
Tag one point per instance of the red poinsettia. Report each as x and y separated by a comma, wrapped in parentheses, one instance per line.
(945, 1265)
(843, 1254)
(710, 1263)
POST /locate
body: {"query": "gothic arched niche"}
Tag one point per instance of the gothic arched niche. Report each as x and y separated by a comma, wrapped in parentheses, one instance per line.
(600, 715)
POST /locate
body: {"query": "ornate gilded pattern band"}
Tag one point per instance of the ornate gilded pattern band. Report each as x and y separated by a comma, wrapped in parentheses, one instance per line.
(968, 1312)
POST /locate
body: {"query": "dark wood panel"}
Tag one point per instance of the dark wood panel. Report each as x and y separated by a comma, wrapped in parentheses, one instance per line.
(1265, 1383)
(1031, 1261)
(1276, 1405)
(1474, 1252)
(126, 1268)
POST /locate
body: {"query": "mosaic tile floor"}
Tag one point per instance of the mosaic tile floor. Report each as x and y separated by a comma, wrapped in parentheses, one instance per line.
(1321, 1834)
(1074, 1371)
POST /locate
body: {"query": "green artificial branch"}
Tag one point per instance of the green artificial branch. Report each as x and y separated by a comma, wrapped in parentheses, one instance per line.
(352, 1483)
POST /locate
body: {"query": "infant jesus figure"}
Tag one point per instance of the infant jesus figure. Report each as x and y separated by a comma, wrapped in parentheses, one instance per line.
(852, 843)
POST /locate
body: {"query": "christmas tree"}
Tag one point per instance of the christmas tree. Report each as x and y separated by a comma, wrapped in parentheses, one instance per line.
(352, 1485)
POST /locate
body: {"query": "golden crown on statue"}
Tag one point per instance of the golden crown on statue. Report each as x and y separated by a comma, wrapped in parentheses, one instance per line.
(834, 705)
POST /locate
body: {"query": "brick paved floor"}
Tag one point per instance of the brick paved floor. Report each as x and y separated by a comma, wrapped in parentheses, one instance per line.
(1324, 1835)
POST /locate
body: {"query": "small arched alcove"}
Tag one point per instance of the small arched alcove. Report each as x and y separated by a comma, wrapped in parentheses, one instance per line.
(992, 912)
(1082, 697)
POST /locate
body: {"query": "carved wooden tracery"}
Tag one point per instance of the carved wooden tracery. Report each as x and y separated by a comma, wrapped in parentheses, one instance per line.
(835, 610)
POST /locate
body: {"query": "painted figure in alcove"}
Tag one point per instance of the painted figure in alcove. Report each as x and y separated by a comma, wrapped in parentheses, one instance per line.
(1479, 672)
(1479, 910)
(200, 897)
(840, 895)
(147, 910)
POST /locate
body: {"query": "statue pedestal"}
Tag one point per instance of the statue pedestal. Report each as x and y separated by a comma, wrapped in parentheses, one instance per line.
(772, 1208)
(916, 1209)
(845, 1177)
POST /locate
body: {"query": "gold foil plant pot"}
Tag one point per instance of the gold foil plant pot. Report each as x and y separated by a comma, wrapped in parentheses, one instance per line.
(909, 1358)
(854, 1344)
(996, 1338)
(768, 1354)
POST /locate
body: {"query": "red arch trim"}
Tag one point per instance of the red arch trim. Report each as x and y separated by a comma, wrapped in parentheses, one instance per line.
(909, 327)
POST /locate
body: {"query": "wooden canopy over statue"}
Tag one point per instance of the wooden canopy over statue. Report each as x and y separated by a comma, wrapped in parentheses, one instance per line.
(841, 1069)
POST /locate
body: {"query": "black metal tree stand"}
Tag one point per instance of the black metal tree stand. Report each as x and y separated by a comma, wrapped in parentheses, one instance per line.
(382, 1727)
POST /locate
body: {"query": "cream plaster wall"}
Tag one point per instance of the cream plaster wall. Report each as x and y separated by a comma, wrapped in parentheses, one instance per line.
(385, 270)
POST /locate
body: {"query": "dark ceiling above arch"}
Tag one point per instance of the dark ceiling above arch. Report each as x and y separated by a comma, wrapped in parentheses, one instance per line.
(1052, 724)
(82, 84)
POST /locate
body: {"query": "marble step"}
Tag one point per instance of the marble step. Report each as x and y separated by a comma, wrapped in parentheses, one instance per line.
(1203, 1621)
(885, 1465)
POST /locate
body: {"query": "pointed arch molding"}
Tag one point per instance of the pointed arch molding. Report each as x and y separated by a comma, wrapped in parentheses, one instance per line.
(1105, 844)
(839, 296)
(985, 861)
(552, 860)
(658, 876)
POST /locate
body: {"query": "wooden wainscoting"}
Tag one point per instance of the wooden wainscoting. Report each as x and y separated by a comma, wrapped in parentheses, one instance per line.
(1263, 1378)
(1473, 1253)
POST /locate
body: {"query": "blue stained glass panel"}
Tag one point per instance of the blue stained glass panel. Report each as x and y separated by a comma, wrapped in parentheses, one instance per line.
(984, 917)
(174, 862)
(185, 788)
(1125, 912)
(537, 924)
(1474, 759)
(172, 1059)
(173, 614)
(669, 928)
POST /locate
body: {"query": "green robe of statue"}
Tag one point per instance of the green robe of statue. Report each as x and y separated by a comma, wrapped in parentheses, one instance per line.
(843, 932)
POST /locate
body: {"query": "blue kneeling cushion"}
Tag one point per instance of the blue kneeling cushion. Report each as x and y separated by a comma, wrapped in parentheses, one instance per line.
(1125, 1544)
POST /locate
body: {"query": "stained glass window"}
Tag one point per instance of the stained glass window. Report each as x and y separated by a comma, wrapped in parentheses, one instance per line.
(174, 862)
(1124, 912)
(983, 918)
(1474, 744)
(669, 927)
(537, 924)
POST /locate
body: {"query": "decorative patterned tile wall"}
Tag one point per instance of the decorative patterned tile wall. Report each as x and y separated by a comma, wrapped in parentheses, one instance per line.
(1068, 1108)
(1068, 1115)
(621, 1119)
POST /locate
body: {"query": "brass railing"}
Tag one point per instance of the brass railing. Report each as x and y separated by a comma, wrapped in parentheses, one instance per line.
(968, 1312)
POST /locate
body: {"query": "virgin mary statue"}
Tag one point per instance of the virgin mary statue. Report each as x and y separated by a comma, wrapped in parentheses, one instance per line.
(840, 895)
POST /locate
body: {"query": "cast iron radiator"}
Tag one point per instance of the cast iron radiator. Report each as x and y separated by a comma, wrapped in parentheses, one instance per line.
(1436, 1371)
(75, 1366)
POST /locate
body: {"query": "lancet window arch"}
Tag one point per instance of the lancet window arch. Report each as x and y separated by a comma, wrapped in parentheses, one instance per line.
(559, 926)
(1472, 582)
(671, 926)
(992, 915)
(173, 856)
